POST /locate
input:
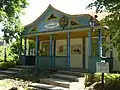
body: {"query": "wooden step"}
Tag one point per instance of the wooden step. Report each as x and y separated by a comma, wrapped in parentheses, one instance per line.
(3, 76)
(56, 82)
(25, 66)
(15, 69)
(46, 87)
(82, 70)
(65, 77)
(78, 74)
(7, 72)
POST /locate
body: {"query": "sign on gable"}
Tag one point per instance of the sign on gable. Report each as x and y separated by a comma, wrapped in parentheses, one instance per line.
(51, 25)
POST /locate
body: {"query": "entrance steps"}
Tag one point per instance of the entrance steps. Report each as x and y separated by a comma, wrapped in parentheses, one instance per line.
(80, 70)
(18, 71)
(56, 82)
(38, 86)
(74, 73)
(22, 68)
(64, 79)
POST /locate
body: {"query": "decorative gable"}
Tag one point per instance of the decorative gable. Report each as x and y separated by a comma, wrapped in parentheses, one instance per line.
(51, 17)
(54, 20)
(34, 29)
(74, 23)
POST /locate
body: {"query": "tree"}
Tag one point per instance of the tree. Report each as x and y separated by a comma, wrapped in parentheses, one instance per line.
(112, 20)
(10, 11)
(15, 50)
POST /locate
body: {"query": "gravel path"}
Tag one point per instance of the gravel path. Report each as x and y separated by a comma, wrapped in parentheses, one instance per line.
(6, 84)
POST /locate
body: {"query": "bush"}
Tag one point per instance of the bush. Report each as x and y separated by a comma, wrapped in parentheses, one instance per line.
(112, 81)
(1, 59)
(4, 65)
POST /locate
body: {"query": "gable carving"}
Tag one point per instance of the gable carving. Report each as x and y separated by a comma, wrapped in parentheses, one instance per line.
(74, 23)
(52, 16)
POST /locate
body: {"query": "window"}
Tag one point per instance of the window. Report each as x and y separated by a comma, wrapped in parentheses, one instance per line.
(52, 16)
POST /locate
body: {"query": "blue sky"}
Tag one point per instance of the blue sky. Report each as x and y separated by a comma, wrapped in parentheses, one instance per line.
(37, 7)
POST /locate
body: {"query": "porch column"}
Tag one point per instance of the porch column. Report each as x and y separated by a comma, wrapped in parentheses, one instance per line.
(68, 49)
(100, 42)
(20, 48)
(54, 52)
(28, 49)
(37, 48)
(89, 43)
(83, 41)
(25, 48)
(51, 50)
(111, 50)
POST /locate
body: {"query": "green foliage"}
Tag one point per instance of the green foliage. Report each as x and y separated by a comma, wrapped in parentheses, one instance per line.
(10, 56)
(112, 20)
(15, 47)
(10, 11)
(107, 5)
(31, 44)
(112, 81)
(15, 50)
(1, 53)
(4, 65)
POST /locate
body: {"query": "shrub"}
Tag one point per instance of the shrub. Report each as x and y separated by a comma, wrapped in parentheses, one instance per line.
(1, 59)
(4, 65)
(112, 81)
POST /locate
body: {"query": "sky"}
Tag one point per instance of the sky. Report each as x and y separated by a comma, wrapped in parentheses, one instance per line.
(37, 7)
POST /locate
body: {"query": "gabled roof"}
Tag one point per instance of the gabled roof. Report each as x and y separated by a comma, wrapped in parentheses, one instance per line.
(44, 23)
(52, 8)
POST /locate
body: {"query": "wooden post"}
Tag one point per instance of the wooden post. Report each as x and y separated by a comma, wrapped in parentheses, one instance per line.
(90, 43)
(111, 50)
(68, 49)
(83, 52)
(36, 59)
(102, 81)
(100, 43)
(20, 48)
(54, 53)
(25, 48)
(51, 49)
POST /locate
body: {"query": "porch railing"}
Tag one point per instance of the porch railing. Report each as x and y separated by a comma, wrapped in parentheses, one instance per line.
(44, 63)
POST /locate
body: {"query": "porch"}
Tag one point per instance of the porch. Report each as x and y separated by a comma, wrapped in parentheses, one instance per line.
(62, 41)
(56, 50)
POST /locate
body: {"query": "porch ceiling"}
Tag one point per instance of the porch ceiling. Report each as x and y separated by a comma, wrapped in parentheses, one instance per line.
(63, 35)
